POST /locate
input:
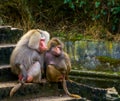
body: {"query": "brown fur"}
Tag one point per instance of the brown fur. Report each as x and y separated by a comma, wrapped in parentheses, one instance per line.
(54, 71)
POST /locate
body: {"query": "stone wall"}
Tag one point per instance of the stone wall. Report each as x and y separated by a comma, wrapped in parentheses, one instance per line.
(87, 53)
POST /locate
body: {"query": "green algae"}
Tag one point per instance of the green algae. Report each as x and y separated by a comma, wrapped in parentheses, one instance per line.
(112, 61)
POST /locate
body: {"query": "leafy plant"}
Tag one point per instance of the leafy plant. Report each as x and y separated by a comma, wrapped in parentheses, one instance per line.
(106, 11)
(67, 17)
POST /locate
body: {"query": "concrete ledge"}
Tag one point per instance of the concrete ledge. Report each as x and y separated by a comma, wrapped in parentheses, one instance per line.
(95, 74)
(51, 89)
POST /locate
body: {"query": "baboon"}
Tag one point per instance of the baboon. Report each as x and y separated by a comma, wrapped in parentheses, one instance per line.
(57, 63)
(27, 58)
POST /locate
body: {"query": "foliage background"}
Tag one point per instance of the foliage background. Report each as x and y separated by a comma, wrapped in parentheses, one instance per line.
(71, 19)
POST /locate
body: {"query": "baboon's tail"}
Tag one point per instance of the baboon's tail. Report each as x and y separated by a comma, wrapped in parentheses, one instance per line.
(66, 90)
(15, 88)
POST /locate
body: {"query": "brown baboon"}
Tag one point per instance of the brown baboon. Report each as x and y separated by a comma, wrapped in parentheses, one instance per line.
(58, 64)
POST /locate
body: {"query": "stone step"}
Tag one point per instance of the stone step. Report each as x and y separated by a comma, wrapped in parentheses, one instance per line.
(5, 52)
(51, 89)
(97, 82)
(9, 34)
(96, 79)
(6, 74)
(96, 74)
(79, 76)
(31, 90)
(89, 78)
(40, 98)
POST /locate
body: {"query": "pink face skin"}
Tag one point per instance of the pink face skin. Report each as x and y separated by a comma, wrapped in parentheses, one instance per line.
(42, 45)
(56, 50)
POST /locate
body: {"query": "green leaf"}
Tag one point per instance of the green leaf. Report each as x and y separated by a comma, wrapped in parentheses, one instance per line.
(82, 3)
(109, 3)
(97, 4)
(113, 2)
(103, 12)
(67, 1)
(72, 5)
(115, 10)
(97, 16)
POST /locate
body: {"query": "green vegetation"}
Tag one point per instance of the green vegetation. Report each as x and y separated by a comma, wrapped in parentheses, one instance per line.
(71, 19)
(108, 64)
(112, 61)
